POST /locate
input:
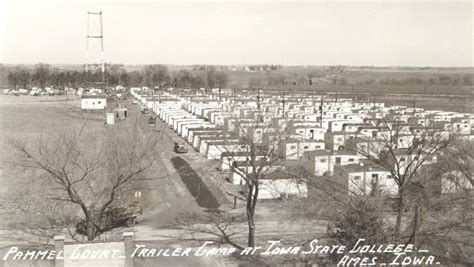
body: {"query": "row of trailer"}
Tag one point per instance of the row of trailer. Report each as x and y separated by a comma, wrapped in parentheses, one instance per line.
(198, 124)
(201, 125)
(205, 137)
(208, 139)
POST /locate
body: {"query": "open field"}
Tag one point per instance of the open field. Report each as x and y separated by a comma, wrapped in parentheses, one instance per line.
(457, 98)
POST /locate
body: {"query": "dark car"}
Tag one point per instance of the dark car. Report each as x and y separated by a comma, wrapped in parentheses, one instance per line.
(152, 120)
(180, 148)
(113, 217)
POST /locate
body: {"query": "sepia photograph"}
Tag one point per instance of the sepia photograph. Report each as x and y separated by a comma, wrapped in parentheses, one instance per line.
(319, 133)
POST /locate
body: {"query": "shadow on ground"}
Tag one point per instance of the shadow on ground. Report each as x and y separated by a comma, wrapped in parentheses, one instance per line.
(194, 183)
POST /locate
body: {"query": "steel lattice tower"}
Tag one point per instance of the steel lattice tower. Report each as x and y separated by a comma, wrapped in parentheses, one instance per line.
(95, 42)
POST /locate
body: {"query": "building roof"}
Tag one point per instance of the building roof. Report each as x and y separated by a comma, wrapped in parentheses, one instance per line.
(337, 133)
(357, 124)
(241, 153)
(224, 142)
(295, 140)
(330, 152)
(211, 131)
(216, 137)
(204, 129)
(93, 97)
(361, 167)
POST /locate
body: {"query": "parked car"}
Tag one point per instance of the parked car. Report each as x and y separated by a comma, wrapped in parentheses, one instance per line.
(14, 92)
(152, 120)
(145, 111)
(180, 148)
(135, 102)
(113, 217)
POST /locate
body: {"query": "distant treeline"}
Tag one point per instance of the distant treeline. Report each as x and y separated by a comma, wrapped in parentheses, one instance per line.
(205, 76)
(337, 76)
(441, 79)
(43, 75)
(261, 67)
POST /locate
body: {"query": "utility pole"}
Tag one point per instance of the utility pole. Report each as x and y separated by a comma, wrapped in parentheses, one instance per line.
(373, 102)
(95, 37)
(321, 113)
(414, 106)
(258, 98)
(283, 101)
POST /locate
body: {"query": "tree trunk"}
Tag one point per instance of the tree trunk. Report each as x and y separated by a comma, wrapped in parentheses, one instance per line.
(251, 198)
(251, 223)
(399, 212)
(415, 225)
(91, 230)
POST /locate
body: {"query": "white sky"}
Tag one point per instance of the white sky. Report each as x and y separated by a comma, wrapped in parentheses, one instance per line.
(402, 33)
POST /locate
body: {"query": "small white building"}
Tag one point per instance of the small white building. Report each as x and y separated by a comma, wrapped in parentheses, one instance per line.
(321, 162)
(365, 180)
(93, 102)
(274, 184)
(293, 149)
(110, 118)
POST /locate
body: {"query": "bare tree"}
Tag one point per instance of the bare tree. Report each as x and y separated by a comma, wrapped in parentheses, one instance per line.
(154, 75)
(222, 79)
(402, 153)
(439, 222)
(211, 77)
(87, 168)
(262, 141)
(458, 163)
(444, 220)
(422, 162)
(250, 151)
(41, 75)
(13, 79)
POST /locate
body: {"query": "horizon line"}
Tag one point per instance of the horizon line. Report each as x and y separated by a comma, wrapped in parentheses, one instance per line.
(251, 64)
